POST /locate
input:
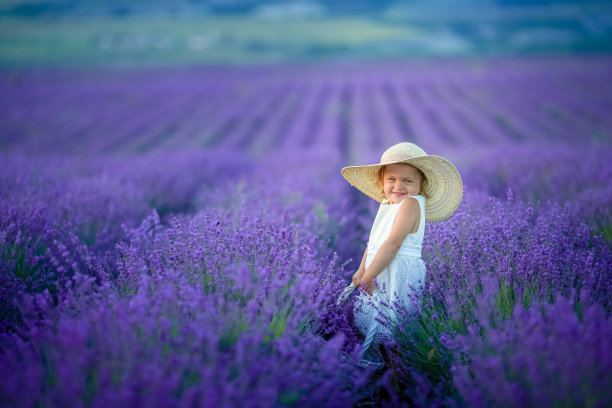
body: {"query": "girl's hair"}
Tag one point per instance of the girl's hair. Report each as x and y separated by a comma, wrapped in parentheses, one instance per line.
(381, 172)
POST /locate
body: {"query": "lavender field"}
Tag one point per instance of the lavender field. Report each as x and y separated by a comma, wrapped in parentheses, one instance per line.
(179, 236)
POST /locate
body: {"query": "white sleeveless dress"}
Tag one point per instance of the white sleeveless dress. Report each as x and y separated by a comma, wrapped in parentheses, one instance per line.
(402, 281)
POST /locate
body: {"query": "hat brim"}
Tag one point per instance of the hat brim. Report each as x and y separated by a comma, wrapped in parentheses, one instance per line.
(444, 188)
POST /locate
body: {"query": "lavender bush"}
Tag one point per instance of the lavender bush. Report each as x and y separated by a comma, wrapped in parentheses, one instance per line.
(542, 250)
(546, 354)
(61, 215)
(543, 173)
(204, 312)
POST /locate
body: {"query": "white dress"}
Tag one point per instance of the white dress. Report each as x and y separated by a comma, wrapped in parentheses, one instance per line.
(402, 281)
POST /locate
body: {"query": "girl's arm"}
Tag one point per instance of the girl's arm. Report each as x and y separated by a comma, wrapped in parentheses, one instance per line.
(407, 222)
(361, 271)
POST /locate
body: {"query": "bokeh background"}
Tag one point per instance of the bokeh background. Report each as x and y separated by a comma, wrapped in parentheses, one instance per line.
(175, 231)
(163, 32)
(116, 76)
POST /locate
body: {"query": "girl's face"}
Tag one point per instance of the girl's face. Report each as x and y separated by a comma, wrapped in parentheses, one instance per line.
(401, 181)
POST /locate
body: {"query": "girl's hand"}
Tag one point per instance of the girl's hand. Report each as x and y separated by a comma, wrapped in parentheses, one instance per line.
(367, 283)
(357, 277)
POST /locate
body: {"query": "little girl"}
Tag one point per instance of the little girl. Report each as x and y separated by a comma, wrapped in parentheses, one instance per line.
(412, 188)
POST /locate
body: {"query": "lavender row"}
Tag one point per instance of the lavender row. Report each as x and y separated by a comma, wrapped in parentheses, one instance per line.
(259, 110)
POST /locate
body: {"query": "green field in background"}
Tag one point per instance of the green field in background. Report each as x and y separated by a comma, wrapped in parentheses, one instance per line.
(244, 39)
(138, 40)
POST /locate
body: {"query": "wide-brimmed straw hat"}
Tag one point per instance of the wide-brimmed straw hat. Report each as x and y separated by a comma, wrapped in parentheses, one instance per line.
(444, 188)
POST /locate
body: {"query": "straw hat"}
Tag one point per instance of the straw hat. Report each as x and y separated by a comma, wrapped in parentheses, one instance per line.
(444, 187)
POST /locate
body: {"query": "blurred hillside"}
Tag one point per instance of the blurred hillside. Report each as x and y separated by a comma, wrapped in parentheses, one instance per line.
(121, 32)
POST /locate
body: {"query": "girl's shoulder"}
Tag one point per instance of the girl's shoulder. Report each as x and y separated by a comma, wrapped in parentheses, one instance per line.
(414, 207)
(421, 199)
(418, 197)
